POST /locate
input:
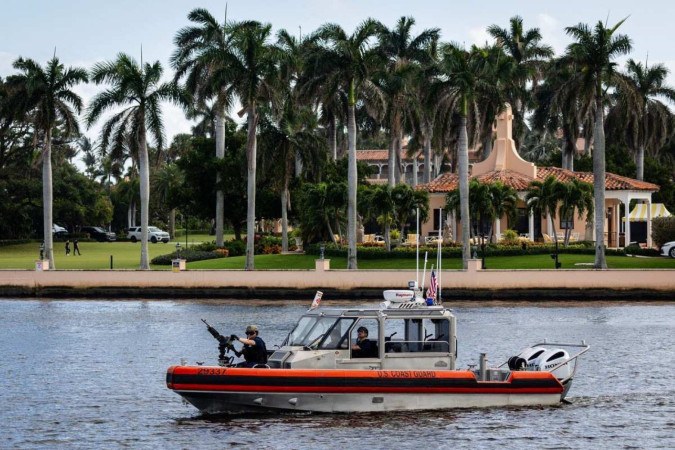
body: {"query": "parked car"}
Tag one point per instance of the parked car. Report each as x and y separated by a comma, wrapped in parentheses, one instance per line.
(154, 235)
(59, 231)
(668, 249)
(99, 234)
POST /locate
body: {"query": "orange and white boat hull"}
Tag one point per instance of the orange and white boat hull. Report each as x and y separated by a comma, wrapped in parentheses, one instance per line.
(229, 390)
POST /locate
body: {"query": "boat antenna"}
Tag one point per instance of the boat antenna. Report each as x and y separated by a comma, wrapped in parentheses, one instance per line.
(424, 273)
(439, 256)
(417, 250)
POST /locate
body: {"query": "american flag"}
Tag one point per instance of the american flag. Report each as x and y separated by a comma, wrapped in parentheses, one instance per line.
(433, 286)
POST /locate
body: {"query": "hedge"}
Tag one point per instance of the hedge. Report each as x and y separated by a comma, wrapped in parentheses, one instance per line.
(6, 242)
(188, 255)
(456, 252)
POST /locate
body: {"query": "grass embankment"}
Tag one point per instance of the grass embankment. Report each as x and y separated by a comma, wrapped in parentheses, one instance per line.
(96, 256)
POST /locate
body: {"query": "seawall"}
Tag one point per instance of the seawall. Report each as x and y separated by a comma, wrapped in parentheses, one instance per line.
(474, 283)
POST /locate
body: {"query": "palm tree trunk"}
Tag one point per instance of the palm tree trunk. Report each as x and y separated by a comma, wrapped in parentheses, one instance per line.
(48, 199)
(332, 141)
(144, 170)
(351, 178)
(400, 174)
(284, 216)
(640, 162)
(220, 195)
(391, 180)
(599, 185)
(427, 152)
(463, 172)
(172, 223)
(251, 156)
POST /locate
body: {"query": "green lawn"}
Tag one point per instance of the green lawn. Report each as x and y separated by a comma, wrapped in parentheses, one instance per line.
(96, 256)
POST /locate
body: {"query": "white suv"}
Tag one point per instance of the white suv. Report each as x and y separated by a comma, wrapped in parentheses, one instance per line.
(154, 235)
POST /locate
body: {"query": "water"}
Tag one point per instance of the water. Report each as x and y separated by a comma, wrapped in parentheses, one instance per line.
(90, 374)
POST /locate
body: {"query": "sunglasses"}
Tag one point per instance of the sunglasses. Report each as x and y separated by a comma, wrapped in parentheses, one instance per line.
(250, 333)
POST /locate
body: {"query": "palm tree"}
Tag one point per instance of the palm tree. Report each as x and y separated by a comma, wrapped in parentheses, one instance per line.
(203, 56)
(525, 47)
(405, 56)
(504, 201)
(593, 53)
(646, 121)
(292, 136)
(351, 60)
(543, 198)
(137, 88)
(46, 95)
(252, 70)
(90, 157)
(406, 202)
(574, 194)
(463, 81)
(562, 104)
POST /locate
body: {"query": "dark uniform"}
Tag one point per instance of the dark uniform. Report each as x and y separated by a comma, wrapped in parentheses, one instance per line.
(367, 349)
(255, 354)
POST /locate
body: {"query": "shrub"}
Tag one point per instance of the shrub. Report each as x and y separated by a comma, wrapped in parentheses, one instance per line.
(637, 250)
(394, 234)
(235, 248)
(510, 237)
(267, 245)
(188, 255)
(663, 230)
(206, 246)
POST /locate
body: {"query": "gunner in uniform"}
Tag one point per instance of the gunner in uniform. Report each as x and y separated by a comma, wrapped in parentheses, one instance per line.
(254, 351)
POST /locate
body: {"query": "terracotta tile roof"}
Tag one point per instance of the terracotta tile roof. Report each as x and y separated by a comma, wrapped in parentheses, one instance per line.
(447, 182)
(382, 155)
(613, 182)
(516, 180)
(371, 155)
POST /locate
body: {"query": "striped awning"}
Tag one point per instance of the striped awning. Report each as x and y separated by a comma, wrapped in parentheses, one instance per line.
(639, 213)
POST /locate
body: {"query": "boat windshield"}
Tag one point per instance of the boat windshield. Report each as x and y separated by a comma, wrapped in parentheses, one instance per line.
(310, 330)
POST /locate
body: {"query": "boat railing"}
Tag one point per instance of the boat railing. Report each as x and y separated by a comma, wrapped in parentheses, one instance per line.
(430, 346)
(581, 348)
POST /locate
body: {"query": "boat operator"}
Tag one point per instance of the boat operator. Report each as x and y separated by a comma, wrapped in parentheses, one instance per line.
(364, 347)
(254, 351)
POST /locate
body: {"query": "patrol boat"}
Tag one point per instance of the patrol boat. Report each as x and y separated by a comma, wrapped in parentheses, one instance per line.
(412, 367)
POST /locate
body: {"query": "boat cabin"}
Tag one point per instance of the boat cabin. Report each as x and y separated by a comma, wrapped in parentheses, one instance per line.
(406, 336)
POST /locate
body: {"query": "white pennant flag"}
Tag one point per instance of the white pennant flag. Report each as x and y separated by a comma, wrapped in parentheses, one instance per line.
(317, 300)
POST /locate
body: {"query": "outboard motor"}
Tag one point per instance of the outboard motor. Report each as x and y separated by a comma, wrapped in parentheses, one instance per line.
(530, 355)
(551, 358)
(517, 363)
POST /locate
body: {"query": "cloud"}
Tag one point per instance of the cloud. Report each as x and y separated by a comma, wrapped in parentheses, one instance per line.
(479, 36)
(552, 32)
(6, 60)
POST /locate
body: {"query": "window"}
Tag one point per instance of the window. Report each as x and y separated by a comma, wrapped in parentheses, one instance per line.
(437, 219)
(338, 336)
(567, 220)
(373, 327)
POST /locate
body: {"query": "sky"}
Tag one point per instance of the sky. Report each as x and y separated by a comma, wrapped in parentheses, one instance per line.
(84, 32)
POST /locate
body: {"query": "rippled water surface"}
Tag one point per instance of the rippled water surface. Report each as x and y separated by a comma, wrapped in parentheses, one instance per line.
(90, 374)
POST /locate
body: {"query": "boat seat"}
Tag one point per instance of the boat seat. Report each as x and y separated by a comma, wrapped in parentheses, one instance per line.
(436, 346)
(393, 347)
